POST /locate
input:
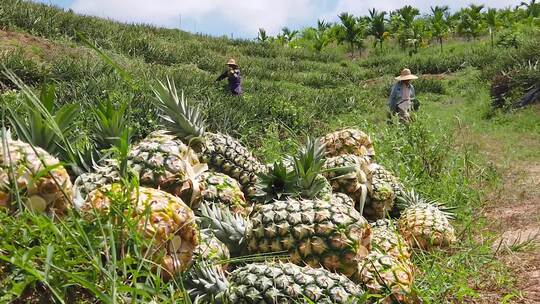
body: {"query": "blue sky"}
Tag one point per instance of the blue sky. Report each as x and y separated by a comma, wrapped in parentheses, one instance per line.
(243, 18)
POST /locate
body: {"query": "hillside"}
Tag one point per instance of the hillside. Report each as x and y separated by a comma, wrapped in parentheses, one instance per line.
(459, 151)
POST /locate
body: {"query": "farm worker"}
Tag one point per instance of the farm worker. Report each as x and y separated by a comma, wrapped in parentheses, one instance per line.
(402, 97)
(233, 76)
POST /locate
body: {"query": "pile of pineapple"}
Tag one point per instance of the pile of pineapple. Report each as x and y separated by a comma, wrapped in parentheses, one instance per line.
(327, 224)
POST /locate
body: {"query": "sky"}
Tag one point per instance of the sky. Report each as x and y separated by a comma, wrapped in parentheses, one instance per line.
(243, 18)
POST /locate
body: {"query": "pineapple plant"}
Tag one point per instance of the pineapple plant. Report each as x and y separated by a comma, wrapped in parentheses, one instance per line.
(348, 141)
(161, 218)
(350, 178)
(327, 233)
(33, 175)
(222, 152)
(273, 282)
(297, 176)
(425, 224)
(224, 190)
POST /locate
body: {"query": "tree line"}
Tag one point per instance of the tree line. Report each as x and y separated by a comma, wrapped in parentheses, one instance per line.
(412, 30)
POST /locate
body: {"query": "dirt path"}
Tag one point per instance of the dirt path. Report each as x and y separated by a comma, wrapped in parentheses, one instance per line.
(513, 212)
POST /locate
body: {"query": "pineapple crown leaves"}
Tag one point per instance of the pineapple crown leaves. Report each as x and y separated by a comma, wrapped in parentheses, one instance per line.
(206, 283)
(228, 228)
(278, 182)
(411, 198)
(295, 176)
(178, 117)
(51, 130)
(110, 123)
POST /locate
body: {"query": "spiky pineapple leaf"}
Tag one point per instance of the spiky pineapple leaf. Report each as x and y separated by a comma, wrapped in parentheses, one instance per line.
(110, 123)
(178, 117)
(36, 130)
(277, 183)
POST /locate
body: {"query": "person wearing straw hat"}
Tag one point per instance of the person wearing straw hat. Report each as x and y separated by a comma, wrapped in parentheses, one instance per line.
(233, 76)
(402, 98)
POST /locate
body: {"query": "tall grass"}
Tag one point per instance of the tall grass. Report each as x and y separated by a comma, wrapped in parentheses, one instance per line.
(290, 94)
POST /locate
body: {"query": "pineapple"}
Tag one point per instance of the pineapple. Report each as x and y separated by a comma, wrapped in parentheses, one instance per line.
(222, 152)
(160, 161)
(273, 282)
(425, 224)
(297, 176)
(160, 217)
(348, 141)
(379, 175)
(380, 200)
(383, 274)
(325, 233)
(211, 249)
(386, 239)
(224, 190)
(166, 163)
(354, 181)
(43, 184)
(102, 175)
(343, 199)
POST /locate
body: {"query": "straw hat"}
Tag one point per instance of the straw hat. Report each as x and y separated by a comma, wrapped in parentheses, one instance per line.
(406, 75)
(231, 62)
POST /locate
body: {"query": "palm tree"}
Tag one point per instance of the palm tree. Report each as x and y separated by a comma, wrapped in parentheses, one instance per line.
(419, 32)
(348, 23)
(469, 24)
(288, 35)
(439, 23)
(404, 18)
(262, 37)
(532, 8)
(377, 26)
(492, 20)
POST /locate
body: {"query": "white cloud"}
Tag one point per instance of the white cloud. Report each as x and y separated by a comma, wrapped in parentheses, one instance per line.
(244, 17)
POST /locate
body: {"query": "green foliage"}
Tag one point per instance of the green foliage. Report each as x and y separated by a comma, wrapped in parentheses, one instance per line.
(290, 92)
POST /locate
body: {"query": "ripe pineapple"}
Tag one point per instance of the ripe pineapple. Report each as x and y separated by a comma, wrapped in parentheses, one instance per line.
(343, 199)
(161, 161)
(103, 175)
(224, 190)
(166, 163)
(222, 152)
(41, 189)
(211, 249)
(386, 239)
(425, 224)
(161, 218)
(273, 282)
(380, 200)
(297, 176)
(319, 233)
(378, 173)
(348, 141)
(350, 179)
(383, 274)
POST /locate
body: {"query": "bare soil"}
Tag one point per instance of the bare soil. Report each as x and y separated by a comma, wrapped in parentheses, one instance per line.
(513, 213)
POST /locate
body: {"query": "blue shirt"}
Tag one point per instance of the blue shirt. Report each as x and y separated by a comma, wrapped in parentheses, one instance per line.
(234, 78)
(395, 95)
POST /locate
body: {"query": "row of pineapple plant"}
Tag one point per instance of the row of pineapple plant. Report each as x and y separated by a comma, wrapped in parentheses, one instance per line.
(204, 198)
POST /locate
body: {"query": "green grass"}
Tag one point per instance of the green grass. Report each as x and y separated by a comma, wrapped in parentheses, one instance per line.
(290, 94)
